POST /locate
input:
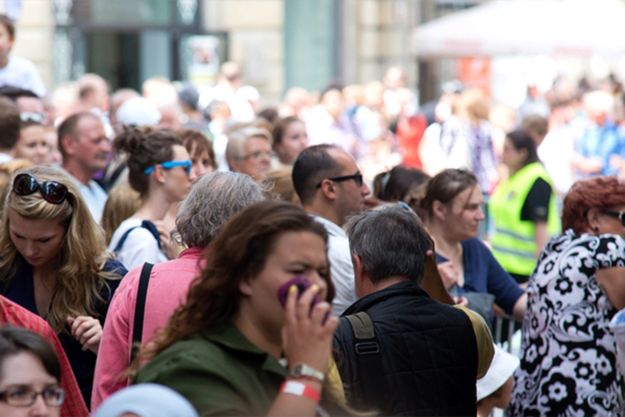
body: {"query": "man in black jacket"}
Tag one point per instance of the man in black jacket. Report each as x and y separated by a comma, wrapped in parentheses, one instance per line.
(409, 354)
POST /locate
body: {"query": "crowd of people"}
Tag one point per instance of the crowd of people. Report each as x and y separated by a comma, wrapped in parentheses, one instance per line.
(190, 252)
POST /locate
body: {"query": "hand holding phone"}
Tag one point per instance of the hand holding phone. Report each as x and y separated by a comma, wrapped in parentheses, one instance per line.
(302, 285)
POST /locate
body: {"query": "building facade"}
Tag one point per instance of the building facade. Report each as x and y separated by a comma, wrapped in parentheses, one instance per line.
(279, 43)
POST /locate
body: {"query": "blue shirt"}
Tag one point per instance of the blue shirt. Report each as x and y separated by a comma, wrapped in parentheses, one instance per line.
(483, 274)
(601, 142)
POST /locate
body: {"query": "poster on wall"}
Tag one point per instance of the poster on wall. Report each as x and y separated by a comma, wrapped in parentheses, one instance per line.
(201, 56)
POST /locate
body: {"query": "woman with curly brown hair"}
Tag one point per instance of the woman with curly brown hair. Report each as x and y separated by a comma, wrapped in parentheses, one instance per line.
(53, 262)
(222, 349)
(160, 170)
(568, 354)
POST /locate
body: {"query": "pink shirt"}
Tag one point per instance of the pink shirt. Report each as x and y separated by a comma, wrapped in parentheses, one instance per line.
(169, 283)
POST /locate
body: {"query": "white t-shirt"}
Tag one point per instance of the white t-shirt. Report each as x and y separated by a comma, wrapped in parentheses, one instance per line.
(341, 267)
(20, 72)
(139, 247)
(93, 195)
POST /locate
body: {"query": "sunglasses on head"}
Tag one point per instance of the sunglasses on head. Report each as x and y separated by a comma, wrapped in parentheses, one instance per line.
(620, 215)
(51, 191)
(32, 117)
(169, 165)
(357, 177)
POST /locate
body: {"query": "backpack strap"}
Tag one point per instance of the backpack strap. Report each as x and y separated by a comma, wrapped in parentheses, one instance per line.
(146, 224)
(369, 388)
(137, 329)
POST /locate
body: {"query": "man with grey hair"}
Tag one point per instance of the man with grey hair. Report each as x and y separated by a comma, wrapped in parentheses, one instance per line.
(213, 200)
(403, 353)
(249, 151)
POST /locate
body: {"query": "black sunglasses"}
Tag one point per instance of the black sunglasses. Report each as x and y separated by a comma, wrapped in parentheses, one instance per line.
(618, 214)
(51, 191)
(357, 177)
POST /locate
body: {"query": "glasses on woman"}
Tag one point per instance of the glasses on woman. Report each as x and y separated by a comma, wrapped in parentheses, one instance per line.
(20, 396)
(169, 165)
(620, 215)
(52, 191)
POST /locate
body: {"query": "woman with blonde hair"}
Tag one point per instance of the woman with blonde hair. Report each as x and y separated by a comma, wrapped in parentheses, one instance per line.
(53, 262)
(222, 349)
(7, 169)
(280, 185)
(121, 203)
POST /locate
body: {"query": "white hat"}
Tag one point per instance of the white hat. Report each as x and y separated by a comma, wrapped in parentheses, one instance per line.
(146, 400)
(501, 368)
(138, 111)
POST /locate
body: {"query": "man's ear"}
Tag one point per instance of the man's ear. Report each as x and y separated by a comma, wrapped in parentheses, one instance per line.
(361, 283)
(69, 144)
(328, 189)
(357, 262)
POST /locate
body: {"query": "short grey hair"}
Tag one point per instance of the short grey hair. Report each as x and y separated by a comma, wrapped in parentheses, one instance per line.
(237, 138)
(390, 241)
(213, 200)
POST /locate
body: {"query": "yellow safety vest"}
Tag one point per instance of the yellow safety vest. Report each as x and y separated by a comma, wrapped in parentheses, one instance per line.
(513, 242)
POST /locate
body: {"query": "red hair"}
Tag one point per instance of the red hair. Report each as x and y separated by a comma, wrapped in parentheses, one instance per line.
(598, 192)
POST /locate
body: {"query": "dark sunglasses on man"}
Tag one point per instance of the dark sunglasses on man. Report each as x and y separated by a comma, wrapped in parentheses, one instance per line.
(52, 191)
(357, 177)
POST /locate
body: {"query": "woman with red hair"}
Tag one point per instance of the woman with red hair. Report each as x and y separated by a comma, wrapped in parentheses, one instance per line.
(568, 354)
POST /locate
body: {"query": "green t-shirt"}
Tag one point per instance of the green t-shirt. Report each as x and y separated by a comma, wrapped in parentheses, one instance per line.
(220, 372)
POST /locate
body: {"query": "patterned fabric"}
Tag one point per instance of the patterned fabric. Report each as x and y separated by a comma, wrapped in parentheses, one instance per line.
(483, 159)
(15, 315)
(568, 354)
(471, 147)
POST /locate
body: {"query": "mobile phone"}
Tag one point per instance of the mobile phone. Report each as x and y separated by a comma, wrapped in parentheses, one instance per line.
(302, 285)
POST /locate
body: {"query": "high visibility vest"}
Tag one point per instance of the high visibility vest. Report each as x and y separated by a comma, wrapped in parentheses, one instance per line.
(513, 242)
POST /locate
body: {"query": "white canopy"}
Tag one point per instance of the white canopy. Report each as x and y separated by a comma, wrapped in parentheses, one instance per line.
(506, 27)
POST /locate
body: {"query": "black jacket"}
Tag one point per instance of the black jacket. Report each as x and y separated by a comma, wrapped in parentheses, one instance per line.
(428, 355)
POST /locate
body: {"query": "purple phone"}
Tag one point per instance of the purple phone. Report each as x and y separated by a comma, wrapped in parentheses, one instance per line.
(302, 285)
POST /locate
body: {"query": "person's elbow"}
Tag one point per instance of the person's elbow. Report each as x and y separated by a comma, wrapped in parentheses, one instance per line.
(518, 311)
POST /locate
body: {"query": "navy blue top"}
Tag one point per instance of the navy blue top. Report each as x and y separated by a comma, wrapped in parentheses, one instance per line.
(483, 274)
(21, 290)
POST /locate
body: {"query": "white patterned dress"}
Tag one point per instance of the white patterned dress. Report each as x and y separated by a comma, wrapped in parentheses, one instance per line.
(568, 354)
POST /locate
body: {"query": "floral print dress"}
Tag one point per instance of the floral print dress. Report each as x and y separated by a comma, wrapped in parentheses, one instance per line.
(568, 354)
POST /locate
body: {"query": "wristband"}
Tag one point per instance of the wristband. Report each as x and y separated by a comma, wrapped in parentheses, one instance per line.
(306, 372)
(300, 389)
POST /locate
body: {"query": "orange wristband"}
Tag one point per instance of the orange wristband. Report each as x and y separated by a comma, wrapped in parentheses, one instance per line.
(300, 389)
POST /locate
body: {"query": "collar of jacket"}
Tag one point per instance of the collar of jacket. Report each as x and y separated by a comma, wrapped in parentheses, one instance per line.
(407, 287)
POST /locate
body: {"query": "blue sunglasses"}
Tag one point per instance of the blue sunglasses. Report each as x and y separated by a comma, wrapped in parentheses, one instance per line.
(169, 165)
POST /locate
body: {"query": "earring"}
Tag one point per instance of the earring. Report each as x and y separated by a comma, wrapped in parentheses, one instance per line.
(595, 229)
